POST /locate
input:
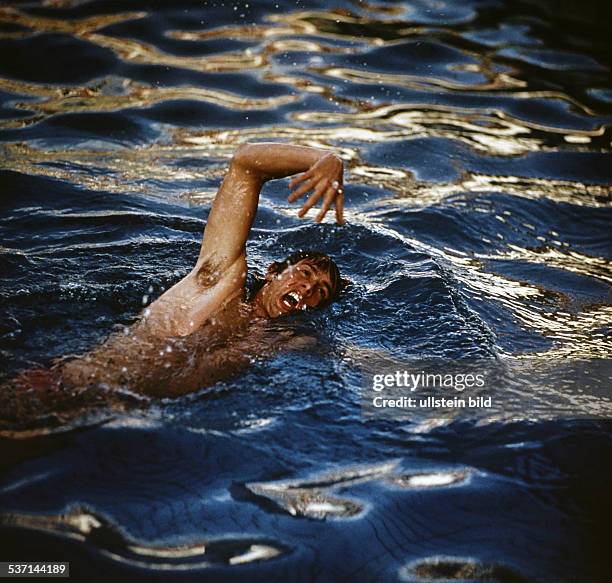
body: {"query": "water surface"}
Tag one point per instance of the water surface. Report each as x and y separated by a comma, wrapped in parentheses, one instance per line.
(476, 136)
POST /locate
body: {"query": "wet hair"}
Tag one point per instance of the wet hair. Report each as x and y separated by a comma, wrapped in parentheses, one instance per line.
(320, 260)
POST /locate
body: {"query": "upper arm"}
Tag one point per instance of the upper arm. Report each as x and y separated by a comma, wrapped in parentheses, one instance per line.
(231, 218)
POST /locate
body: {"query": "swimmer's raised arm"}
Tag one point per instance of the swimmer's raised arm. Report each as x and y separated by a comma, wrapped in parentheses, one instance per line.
(323, 172)
(235, 205)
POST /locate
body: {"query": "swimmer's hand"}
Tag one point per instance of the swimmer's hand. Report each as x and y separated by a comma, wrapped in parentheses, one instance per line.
(325, 179)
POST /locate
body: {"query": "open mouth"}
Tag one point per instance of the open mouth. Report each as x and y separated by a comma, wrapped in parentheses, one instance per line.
(290, 300)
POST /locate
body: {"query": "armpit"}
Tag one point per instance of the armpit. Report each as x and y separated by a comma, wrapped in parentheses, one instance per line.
(208, 274)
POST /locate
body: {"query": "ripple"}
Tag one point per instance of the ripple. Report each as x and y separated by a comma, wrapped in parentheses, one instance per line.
(311, 497)
(430, 479)
(445, 569)
(549, 59)
(129, 50)
(73, 26)
(85, 526)
(476, 140)
(115, 94)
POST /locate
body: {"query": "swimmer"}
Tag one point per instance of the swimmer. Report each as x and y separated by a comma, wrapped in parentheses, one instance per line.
(304, 281)
(204, 328)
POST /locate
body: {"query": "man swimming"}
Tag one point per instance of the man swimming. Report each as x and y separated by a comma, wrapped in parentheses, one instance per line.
(220, 272)
(203, 328)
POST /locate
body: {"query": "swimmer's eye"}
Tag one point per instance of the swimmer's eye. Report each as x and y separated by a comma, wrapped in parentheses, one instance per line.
(323, 292)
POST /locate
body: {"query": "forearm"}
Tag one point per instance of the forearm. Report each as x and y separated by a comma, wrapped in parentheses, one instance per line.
(268, 160)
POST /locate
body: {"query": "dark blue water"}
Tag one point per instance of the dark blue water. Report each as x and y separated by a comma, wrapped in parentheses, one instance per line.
(476, 137)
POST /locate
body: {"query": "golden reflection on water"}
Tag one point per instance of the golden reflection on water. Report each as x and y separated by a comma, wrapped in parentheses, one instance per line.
(414, 193)
(343, 25)
(115, 94)
(487, 133)
(579, 333)
(115, 170)
(77, 26)
(130, 50)
(490, 130)
(146, 54)
(494, 132)
(135, 164)
(495, 80)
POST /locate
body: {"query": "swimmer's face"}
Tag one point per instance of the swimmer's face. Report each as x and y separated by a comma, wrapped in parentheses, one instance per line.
(300, 286)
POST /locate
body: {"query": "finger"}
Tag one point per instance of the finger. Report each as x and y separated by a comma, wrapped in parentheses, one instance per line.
(301, 177)
(301, 191)
(314, 197)
(340, 207)
(297, 179)
(327, 202)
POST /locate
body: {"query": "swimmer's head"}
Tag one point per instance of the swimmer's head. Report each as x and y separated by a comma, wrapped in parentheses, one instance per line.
(305, 280)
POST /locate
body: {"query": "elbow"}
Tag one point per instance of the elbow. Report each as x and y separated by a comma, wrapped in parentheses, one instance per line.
(244, 159)
(242, 156)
